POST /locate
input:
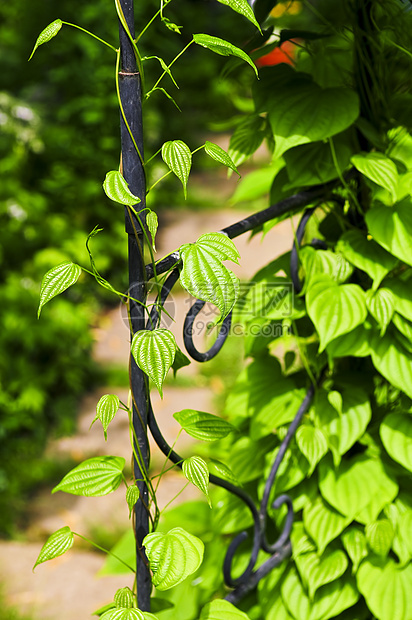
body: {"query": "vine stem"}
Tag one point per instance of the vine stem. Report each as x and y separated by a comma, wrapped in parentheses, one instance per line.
(90, 34)
(104, 550)
(172, 63)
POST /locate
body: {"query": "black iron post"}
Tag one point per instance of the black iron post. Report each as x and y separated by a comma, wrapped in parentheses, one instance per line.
(130, 89)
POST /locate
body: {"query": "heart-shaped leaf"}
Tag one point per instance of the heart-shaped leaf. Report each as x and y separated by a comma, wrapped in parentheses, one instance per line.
(315, 571)
(132, 495)
(154, 352)
(123, 614)
(172, 556)
(380, 535)
(323, 523)
(312, 443)
(381, 305)
(204, 426)
(386, 588)
(106, 409)
(391, 227)
(220, 609)
(116, 188)
(57, 280)
(204, 276)
(396, 435)
(48, 33)
(176, 154)
(378, 168)
(124, 598)
(324, 262)
(218, 154)
(355, 484)
(196, 471)
(222, 471)
(57, 544)
(94, 477)
(402, 292)
(393, 362)
(366, 254)
(354, 542)
(222, 47)
(246, 139)
(335, 309)
(300, 112)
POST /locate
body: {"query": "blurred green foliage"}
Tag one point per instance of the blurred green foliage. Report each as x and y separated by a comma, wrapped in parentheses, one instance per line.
(59, 135)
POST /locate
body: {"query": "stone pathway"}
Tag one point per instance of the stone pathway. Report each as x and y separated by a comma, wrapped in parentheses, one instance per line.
(68, 587)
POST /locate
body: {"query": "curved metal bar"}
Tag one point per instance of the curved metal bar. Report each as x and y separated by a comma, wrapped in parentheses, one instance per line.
(270, 548)
(294, 258)
(188, 334)
(169, 283)
(231, 552)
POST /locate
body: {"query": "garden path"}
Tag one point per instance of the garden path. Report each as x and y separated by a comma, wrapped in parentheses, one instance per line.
(68, 587)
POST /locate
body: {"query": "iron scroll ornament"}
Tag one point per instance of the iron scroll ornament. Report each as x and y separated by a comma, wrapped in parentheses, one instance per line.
(282, 547)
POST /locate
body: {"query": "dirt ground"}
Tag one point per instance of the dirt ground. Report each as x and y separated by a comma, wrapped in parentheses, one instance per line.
(68, 587)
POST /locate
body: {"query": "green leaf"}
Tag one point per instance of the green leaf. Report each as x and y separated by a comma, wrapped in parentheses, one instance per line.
(300, 111)
(152, 224)
(381, 305)
(57, 280)
(204, 276)
(246, 139)
(255, 184)
(242, 7)
(393, 362)
(335, 309)
(354, 542)
(94, 477)
(323, 523)
(124, 598)
(222, 47)
(247, 457)
(316, 571)
(335, 399)
(343, 430)
(402, 292)
(220, 609)
(147, 615)
(356, 343)
(356, 484)
(180, 361)
(172, 556)
(106, 409)
(323, 262)
(312, 443)
(57, 544)
(301, 542)
(366, 254)
(48, 33)
(204, 426)
(124, 613)
(380, 535)
(396, 435)
(176, 154)
(222, 471)
(132, 495)
(328, 602)
(218, 154)
(378, 168)
(116, 188)
(386, 588)
(154, 352)
(196, 471)
(391, 227)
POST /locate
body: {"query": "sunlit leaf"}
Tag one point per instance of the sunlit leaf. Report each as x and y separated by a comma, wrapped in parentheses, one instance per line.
(246, 139)
(154, 352)
(97, 476)
(242, 7)
(176, 154)
(204, 426)
(123, 614)
(396, 435)
(196, 471)
(204, 276)
(57, 280)
(354, 542)
(381, 305)
(124, 598)
(366, 254)
(323, 523)
(386, 588)
(172, 556)
(220, 609)
(218, 154)
(222, 471)
(132, 495)
(391, 227)
(57, 544)
(402, 293)
(152, 224)
(48, 33)
(380, 535)
(378, 168)
(312, 443)
(315, 571)
(393, 362)
(335, 309)
(222, 47)
(116, 188)
(106, 409)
